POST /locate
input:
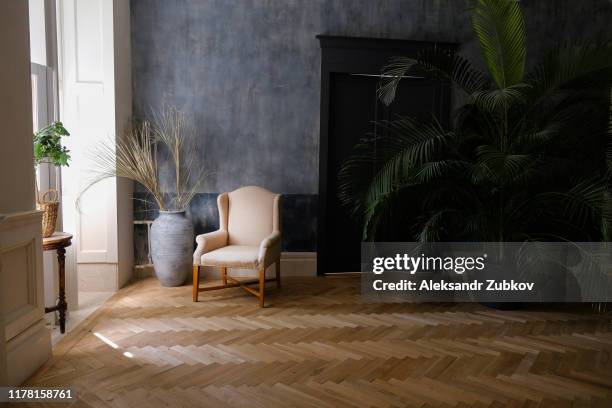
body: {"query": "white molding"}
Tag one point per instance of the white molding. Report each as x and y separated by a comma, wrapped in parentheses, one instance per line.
(26, 352)
(19, 219)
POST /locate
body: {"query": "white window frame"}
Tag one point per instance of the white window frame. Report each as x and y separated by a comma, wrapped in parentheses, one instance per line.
(44, 107)
(45, 96)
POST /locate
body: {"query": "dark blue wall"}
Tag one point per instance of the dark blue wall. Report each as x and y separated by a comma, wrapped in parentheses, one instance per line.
(248, 73)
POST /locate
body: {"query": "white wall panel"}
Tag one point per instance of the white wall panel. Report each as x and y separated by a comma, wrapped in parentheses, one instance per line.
(90, 110)
(88, 24)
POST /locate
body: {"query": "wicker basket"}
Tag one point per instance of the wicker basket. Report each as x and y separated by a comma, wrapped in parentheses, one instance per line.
(49, 205)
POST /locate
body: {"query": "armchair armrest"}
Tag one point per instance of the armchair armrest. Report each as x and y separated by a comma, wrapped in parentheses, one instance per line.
(209, 242)
(270, 248)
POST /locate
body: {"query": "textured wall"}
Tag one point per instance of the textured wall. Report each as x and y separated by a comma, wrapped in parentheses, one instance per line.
(249, 72)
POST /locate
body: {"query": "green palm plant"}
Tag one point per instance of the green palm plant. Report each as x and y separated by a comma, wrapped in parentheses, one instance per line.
(522, 159)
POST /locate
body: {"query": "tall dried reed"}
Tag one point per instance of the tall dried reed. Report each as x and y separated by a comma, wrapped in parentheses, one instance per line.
(134, 156)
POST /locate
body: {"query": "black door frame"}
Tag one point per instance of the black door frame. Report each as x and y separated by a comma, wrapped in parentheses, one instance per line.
(356, 55)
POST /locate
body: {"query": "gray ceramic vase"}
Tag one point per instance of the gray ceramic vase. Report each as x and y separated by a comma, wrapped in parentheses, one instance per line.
(172, 247)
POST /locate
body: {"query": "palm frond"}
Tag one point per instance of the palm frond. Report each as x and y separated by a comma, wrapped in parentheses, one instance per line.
(586, 199)
(375, 212)
(433, 226)
(569, 63)
(435, 63)
(535, 138)
(460, 72)
(432, 170)
(453, 192)
(475, 225)
(582, 203)
(500, 167)
(500, 30)
(418, 139)
(492, 100)
(392, 74)
(394, 174)
(390, 162)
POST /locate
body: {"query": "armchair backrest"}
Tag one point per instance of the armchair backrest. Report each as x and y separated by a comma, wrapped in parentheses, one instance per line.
(249, 214)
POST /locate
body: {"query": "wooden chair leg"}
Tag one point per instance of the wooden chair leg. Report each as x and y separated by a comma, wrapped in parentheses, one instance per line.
(196, 281)
(224, 274)
(278, 278)
(262, 286)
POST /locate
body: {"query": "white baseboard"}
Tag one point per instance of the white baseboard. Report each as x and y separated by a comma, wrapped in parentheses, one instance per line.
(292, 264)
(26, 352)
(97, 277)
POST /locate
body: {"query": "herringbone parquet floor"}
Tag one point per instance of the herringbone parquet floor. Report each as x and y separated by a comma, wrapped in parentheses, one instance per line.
(317, 345)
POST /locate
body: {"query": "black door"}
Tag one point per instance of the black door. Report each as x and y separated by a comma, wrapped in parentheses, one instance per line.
(350, 71)
(353, 110)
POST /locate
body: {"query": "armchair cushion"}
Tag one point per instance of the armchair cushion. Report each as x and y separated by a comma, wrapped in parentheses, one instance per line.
(251, 215)
(233, 256)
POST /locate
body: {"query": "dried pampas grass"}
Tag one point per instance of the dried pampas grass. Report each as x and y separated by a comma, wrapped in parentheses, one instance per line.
(134, 157)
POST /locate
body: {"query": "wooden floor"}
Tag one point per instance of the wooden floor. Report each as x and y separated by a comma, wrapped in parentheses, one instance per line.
(317, 345)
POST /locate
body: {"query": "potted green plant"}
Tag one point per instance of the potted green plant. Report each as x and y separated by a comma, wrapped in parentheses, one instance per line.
(134, 157)
(48, 149)
(522, 159)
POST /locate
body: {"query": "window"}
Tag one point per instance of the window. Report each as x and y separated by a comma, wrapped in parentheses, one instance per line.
(44, 95)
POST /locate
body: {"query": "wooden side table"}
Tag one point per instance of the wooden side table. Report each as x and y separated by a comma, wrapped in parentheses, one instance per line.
(58, 242)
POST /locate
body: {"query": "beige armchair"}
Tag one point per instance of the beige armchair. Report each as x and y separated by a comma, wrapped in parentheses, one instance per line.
(249, 237)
